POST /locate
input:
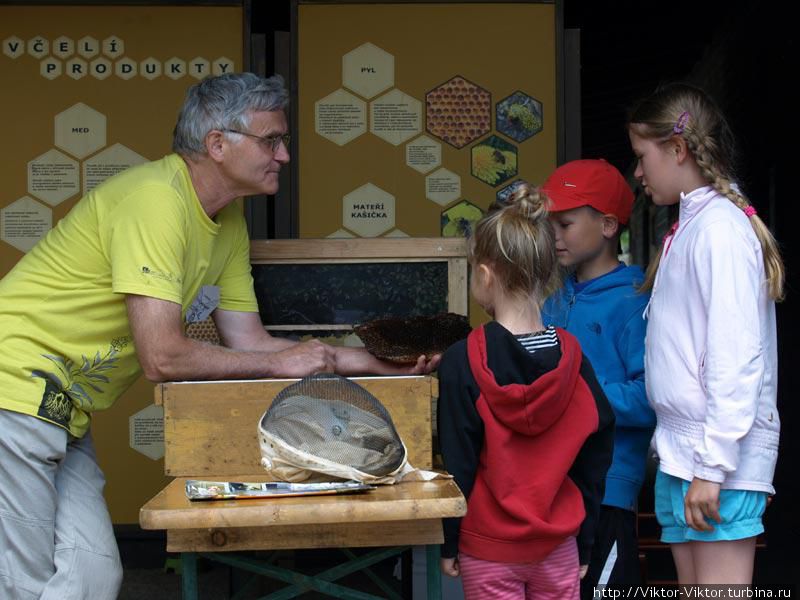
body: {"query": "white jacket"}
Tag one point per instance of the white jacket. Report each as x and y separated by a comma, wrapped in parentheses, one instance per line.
(710, 351)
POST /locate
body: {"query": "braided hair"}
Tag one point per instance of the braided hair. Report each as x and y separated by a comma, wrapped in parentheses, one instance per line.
(687, 111)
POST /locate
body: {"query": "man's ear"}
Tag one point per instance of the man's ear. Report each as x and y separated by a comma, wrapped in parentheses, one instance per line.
(215, 145)
(611, 226)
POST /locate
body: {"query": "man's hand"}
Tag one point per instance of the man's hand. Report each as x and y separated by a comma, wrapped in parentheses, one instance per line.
(583, 570)
(449, 566)
(702, 500)
(304, 359)
(166, 354)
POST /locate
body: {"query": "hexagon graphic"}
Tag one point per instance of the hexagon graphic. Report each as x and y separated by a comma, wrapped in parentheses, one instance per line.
(175, 68)
(397, 233)
(443, 187)
(505, 193)
(519, 116)
(368, 70)
(80, 130)
(38, 47)
(395, 117)
(494, 160)
(423, 154)
(340, 117)
(146, 431)
(107, 163)
(77, 68)
(459, 220)
(53, 177)
(113, 47)
(341, 233)
(199, 67)
(101, 68)
(50, 68)
(88, 47)
(63, 47)
(150, 68)
(126, 68)
(222, 65)
(368, 211)
(458, 111)
(24, 222)
(13, 47)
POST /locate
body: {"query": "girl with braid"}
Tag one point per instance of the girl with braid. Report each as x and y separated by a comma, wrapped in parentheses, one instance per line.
(710, 349)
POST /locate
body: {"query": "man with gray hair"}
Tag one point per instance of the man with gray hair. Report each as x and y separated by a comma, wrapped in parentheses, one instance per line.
(104, 297)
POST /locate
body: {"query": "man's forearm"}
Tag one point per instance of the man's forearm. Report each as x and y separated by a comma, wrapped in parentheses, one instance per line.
(192, 359)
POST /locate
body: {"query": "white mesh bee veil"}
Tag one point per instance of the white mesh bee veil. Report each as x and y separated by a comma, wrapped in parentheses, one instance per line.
(325, 427)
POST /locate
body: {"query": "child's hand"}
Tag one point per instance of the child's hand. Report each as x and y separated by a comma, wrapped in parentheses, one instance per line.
(425, 365)
(702, 500)
(583, 570)
(449, 566)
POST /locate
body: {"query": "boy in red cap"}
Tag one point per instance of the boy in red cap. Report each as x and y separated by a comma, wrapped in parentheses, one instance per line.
(600, 305)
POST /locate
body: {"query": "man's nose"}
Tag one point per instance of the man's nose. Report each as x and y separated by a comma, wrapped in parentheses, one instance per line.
(282, 153)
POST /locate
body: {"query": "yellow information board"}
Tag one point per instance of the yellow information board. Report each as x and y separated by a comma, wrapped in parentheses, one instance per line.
(413, 117)
(87, 92)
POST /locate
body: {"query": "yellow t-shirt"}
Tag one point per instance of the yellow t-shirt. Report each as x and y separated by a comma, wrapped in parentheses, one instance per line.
(65, 343)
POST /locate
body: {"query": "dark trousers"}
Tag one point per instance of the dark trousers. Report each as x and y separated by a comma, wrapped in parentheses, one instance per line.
(615, 553)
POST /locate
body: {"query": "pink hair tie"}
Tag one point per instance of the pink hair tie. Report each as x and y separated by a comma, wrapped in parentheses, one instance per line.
(750, 211)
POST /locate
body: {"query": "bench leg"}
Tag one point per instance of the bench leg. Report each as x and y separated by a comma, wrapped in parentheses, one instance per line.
(189, 575)
(301, 583)
(434, 573)
(390, 593)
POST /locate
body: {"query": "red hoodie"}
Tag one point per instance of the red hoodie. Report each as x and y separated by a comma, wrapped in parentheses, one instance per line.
(536, 475)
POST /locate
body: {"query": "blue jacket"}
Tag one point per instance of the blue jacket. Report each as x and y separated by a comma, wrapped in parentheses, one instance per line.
(607, 318)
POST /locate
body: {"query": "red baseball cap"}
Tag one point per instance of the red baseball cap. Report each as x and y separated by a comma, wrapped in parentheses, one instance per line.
(592, 183)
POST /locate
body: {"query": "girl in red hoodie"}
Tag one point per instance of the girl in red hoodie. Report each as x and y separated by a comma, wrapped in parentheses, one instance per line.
(524, 426)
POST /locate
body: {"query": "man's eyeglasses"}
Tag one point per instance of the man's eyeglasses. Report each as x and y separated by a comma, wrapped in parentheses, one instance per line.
(272, 142)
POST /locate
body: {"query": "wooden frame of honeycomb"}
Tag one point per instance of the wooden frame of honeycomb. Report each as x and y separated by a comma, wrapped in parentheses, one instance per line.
(458, 112)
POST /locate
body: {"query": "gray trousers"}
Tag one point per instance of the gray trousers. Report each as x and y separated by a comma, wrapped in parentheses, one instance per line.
(55, 531)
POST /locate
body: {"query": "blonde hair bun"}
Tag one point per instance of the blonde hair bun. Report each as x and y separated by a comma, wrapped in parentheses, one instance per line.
(529, 201)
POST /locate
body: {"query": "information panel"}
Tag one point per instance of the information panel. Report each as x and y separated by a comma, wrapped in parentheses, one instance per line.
(430, 111)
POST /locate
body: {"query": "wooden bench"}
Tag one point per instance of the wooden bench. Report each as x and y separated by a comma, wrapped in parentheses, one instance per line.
(210, 432)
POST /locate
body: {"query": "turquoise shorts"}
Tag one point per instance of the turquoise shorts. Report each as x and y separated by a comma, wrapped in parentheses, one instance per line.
(741, 512)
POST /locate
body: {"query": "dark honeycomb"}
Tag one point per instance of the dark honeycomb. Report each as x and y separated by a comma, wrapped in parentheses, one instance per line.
(404, 340)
